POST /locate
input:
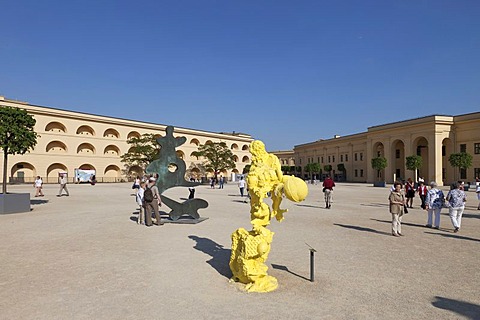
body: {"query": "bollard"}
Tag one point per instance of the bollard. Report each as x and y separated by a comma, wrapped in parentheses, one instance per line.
(312, 262)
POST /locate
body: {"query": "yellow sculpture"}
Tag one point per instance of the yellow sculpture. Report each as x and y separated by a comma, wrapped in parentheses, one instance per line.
(250, 248)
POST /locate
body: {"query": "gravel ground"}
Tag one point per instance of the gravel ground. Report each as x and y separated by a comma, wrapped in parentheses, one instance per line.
(84, 257)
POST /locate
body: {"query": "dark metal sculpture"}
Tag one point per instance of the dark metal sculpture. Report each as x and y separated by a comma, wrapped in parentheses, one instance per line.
(171, 173)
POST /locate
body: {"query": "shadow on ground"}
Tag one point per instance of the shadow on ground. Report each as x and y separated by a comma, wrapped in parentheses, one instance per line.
(309, 206)
(284, 268)
(220, 255)
(403, 223)
(455, 236)
(466, 309)
(37, 201)
(362, 229)
(375, 204)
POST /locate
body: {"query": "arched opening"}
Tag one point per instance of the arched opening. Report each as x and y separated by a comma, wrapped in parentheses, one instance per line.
(398, 160)
(448, 172)
(133, 134)
(86, 166)
(234, 146)
(208, 142)
(379, 151)
(192, 157)
(111, 173)
(56, 147)
(23, 172)
(111, 150)
(195, 142)
(86, 148)
(195, 174)
(235, 171)
(158, 135)
(245, 147)
(180, 154)
(54, 170)
(55, 127)
(420, 147)
(111, 133)
(245, 159)
(86, 130)
(235, 158)
(135, 171)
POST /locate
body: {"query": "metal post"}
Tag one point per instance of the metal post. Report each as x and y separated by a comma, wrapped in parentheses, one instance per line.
(312, 262)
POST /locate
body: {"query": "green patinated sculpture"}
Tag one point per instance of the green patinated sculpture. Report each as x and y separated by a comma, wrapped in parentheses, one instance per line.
(171, 173)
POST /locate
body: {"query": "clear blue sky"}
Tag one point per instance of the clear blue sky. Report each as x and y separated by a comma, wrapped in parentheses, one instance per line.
(286, 72)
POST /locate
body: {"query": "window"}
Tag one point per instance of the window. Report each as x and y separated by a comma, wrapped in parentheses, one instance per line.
(361, 156)
(300, 161)
(333, 158)
(346, 158)
(341, 158)
(356, 173)
(361, 172)
(476, 148)
(444, 151)
(329, 159)
(463, 148)
(476, 172)
(322, 159)
(356, 157)
(397, 153)
(463, 173)
(318, 160)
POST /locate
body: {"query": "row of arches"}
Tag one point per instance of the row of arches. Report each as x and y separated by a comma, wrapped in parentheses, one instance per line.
(28, 171)
(87, 130)
(84, 148)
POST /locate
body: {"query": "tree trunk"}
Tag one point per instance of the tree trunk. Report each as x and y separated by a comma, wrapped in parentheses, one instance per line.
(4, 184)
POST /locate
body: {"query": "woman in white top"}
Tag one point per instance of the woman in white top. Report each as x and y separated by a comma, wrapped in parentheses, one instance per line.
(38, 187)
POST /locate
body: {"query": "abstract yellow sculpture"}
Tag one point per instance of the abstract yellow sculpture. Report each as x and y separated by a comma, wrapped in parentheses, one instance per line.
(250, 248)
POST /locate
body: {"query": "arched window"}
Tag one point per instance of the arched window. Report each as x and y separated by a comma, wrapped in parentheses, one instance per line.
(111, 150)
(86, 130)
(133, 134)
(195, 142)
(56, 147)
(234, 146)
(111, 133)
(245, 147)
(55, 127)
(86, 148)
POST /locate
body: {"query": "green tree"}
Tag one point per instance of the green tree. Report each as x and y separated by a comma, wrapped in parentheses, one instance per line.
(341, 167)
(461, 160)
(218, 156)
(246, 169)
(328, 168)
(414, 163)
(312, 168)
(16, 135)
(379, 164)
(143, 150)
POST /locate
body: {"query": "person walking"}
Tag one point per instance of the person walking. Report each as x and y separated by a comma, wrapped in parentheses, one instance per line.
(152, 202)
(478, 196)
(63, 184)
(397, 205)
(434, 202)
(328, 185)
(241, 185)
(38, 184)
(422, 193)
(456, 199)
(410, 192)
(140, 202)
(221, 182)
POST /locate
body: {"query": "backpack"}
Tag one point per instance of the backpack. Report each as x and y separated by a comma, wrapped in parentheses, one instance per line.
(148, 195)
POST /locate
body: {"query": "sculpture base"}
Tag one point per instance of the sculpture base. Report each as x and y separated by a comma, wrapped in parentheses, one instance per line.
(185, 220)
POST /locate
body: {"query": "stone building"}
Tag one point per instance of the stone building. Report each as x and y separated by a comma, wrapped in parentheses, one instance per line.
(73, 140)
(434, 138)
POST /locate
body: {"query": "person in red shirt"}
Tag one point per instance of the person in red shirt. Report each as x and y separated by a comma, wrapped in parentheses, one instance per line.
(328, 185)
(422, 192)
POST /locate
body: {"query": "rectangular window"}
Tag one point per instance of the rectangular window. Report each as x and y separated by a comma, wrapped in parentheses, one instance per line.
(361, 172)
(444, 151)
(397, 153)
(463, 147)
(346, 158)
(361, 156)
(322, 159)
(300, 161)
(341, 158)
(329, 159)
(318, 160)
(356, 173)
(333, 158)
(463, 173)
(444, 174)
(355, 156)
(476, 148)
(476, 172)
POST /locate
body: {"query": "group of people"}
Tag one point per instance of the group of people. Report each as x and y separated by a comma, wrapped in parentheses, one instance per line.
(432, 200)
(148, 199)
(214, 180)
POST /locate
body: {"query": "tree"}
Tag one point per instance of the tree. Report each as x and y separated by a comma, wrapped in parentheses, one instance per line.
(379, 164)
(327, 168)
(414, 163)
(461, 160)
(246, 169)
(218, 156)
(341, 167)
(312, 168)
(16, 135)
(142, 152)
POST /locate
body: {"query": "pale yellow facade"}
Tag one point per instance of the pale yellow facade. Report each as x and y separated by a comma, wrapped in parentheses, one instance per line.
(434, 138)
(71, 140)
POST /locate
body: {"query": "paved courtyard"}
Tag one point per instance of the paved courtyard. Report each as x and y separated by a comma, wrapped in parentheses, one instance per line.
(84, 257)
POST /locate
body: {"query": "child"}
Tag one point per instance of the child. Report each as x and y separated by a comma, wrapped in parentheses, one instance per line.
(139, 199)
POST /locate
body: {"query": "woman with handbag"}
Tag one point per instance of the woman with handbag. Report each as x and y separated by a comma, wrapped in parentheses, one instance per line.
(397, 206)
(434, 203)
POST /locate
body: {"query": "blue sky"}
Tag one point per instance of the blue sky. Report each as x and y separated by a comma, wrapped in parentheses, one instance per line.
(286, 72)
